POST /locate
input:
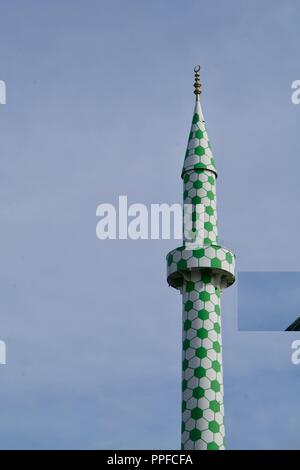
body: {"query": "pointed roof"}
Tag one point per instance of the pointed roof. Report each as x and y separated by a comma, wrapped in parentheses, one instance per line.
(198, 154)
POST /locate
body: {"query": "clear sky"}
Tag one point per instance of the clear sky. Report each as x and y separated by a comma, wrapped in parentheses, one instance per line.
(99, 103)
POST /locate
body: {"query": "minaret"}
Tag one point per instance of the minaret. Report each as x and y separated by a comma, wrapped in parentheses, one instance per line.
(201, 269)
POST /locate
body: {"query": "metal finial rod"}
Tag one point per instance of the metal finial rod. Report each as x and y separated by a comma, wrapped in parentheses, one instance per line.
(197, 84)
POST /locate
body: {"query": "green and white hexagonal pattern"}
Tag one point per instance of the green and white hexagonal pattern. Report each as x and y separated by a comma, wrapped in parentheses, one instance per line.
(215, 258)
(198, 154)
(201, 269)
(200, 214)
(202, 381)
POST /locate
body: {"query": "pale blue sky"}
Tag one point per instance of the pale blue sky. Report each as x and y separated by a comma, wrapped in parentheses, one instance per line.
(99, 103)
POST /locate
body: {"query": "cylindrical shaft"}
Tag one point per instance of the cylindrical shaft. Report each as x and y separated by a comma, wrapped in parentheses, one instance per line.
(200, 214)
(202, 380)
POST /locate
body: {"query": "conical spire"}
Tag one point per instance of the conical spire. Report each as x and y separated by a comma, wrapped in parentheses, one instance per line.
(198, 154)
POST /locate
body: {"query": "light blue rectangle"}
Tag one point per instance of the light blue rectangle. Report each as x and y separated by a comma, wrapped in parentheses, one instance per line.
(268, 301)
